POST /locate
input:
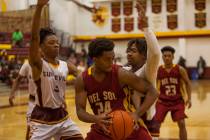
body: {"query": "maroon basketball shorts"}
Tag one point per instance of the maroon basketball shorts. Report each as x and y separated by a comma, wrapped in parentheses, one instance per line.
(140, 134)
(177, 111)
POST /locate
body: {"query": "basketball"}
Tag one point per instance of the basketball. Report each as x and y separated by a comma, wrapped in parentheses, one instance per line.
(122, 125)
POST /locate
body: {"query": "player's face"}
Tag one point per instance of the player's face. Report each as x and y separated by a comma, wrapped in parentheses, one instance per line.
(167, 57)
(134, 58)
(51, 46)
(105, 61)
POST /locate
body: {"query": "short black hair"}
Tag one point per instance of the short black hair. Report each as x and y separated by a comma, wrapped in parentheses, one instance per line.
(44, 32)
(98, 46)
(168, 48)
(140, 44)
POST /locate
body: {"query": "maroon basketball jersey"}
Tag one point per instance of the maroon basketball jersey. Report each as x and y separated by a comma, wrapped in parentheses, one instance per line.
(106, 95)
(168, 84)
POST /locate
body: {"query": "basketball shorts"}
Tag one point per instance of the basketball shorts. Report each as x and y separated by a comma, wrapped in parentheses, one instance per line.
(140, 134)
(177, 112)
(64, 130)
(31, 106)
(153, 127)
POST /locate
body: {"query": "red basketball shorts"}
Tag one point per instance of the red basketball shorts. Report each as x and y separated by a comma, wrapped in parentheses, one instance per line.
(140, 134)
(177, 111)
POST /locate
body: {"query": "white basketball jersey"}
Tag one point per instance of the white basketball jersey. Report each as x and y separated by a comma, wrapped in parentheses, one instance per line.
(140, 72)
(26, 71)
(52, 85)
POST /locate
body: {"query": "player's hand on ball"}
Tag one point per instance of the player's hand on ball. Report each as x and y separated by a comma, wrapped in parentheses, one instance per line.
(135, 117)
(104, 120)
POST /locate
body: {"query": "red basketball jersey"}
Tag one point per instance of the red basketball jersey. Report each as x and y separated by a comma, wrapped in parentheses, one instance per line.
(169, 85)
(106, 95)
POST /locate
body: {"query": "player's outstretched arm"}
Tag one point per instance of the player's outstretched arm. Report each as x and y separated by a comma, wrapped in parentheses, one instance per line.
(141, 86)
(188, 85)
(15, 85)
(34, 53)
(153, 48)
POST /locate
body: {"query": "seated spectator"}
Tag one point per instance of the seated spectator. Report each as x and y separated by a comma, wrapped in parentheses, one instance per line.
(72, 58)
(17, 38)
(81, 66)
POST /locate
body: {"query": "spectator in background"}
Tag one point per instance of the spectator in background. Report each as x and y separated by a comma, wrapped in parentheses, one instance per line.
(2, 37)
(182, 62)
(72, 58)
(81, 66)
(201, 65)
(83, 54)
(89, 61)
(17, 38)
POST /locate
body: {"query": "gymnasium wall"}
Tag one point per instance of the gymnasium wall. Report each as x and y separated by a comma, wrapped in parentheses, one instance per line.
(66, 16)
(158, 22)
(12, 5)
(190, 48)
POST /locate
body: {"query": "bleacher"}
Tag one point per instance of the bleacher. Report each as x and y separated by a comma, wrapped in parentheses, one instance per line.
(20, 52)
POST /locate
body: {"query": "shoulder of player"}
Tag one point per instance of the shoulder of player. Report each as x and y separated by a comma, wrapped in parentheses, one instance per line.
(62, 62)
(161, 67)
(124, 75)
(181, 68)
(25, 67)
(141, 70)
(126, 67)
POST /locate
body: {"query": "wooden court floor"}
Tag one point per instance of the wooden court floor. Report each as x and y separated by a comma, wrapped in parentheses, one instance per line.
(13, 122)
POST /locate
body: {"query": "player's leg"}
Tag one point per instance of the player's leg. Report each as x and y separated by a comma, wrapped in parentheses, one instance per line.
(68, 130)
(153, 128)
(28, 116)
(28, 132)
(161, 112)
(178, 115)
(144, 134)
(40, 131)
(182, 130)
(141, 134)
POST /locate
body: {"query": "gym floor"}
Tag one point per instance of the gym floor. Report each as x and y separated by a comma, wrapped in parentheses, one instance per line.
(13, 119)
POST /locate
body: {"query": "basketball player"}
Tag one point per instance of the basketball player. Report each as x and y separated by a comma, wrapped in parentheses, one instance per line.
(102, 85)
(25, 72)
(171, 79)
(49, 118)
(143, 59)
